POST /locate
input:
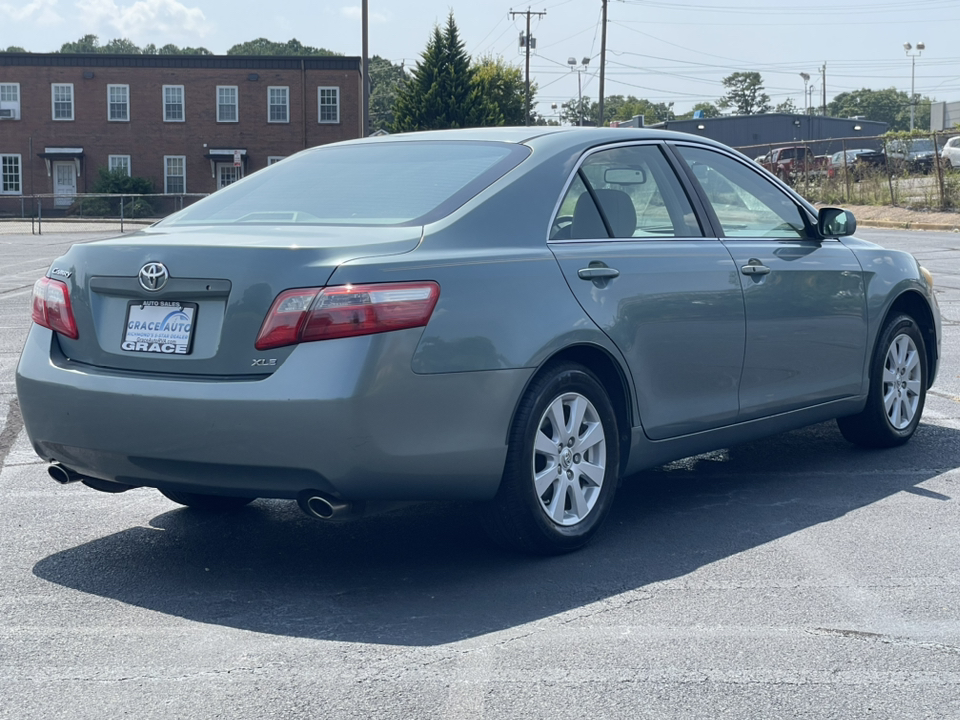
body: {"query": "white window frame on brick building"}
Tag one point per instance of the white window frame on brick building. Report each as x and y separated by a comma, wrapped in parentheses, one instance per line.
(328, 105)
(176, 163)
(118, 162)
(278, 104)
(174, 106)
(11, 174)
(271, 159)
(61, 101)
(9, 101)
(228, 103)
(118, 103)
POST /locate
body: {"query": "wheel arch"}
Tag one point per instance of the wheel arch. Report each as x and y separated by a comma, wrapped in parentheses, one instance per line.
(915, 305)
(610, 374)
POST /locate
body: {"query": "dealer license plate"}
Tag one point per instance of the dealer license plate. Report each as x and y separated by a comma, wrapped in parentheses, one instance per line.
(163, 327)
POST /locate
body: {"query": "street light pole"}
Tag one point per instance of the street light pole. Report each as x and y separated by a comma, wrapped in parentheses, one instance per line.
(572, 62)
(806, 79)
(907, 47)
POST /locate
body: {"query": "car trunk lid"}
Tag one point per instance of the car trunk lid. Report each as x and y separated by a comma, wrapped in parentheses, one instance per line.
(191, 302)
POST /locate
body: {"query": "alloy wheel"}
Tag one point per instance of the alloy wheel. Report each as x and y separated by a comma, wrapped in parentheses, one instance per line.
(902, 381)
(569, 459)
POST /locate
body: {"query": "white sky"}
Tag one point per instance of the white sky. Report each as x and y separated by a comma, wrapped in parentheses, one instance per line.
(665, 50)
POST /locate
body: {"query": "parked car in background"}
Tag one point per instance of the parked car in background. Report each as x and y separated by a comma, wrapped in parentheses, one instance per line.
(950, 155)
(911, 155)
(513, 316)
(857, 162)
(788, 163)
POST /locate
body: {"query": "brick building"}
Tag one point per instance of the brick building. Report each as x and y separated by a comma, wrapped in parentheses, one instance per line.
(181, 121)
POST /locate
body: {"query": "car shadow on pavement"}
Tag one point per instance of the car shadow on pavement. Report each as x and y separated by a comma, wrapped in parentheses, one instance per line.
(426, 575)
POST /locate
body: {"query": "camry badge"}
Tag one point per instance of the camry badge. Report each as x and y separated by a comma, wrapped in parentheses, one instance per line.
(153, 276)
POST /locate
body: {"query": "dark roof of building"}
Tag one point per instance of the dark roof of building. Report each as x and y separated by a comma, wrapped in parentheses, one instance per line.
(240, 62)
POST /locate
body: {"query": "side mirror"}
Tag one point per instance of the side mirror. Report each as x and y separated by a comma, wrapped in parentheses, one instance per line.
(836, 222)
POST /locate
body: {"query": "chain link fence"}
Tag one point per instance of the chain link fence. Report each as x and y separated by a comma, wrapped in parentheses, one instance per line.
(897, 170)
(87, 212)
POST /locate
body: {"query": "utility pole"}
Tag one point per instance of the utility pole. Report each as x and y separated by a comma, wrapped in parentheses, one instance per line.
(526, 41)
(603, 59)
(365, 110)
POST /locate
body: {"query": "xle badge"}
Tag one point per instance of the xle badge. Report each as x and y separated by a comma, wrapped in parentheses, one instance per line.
(264, 362)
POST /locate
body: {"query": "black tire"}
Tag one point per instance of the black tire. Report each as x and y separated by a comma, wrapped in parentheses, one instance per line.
(898, 388)
(207, 502)
(588, 470)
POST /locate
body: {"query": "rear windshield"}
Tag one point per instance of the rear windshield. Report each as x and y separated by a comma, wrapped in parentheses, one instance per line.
(385, 183)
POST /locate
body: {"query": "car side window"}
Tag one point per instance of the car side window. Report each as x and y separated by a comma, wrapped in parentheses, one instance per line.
(745, 202)
(638, 193)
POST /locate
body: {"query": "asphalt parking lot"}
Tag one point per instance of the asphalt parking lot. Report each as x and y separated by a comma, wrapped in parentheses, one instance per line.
(797, 577)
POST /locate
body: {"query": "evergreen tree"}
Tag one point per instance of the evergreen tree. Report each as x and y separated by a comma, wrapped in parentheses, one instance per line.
(441, 92)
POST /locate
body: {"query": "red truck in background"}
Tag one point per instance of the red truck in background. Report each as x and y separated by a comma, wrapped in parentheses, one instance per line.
(791, 162)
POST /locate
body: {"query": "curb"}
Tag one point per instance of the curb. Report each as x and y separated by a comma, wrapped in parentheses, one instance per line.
(942, 227)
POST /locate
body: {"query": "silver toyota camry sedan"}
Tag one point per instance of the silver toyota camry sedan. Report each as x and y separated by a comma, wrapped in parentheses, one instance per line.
(515, 316)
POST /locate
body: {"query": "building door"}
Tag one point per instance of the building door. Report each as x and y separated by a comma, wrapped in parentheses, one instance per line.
(227, 174)
(64, 183)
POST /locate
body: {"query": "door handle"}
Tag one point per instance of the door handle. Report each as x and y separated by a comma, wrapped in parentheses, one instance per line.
(754, 269)
(598, 273)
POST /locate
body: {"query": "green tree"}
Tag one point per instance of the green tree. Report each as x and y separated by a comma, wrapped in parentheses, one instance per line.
(745, 94)
(788, 107)
(706, 110)
(123, 46)
(619, 108)
(120, 46)
(86, 44)
(503, 88)
(615, 108)
(15, 48)
(441, 92)
(262, 46)
(385, 79)
(171, 49)
(891, 106)
(574, 109)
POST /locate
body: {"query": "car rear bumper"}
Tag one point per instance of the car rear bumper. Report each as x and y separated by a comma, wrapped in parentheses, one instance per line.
(347, 417)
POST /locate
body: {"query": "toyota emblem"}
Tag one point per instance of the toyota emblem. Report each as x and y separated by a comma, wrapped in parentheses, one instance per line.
(153, 276)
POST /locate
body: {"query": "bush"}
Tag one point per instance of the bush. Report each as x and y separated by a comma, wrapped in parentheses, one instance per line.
(115, 182)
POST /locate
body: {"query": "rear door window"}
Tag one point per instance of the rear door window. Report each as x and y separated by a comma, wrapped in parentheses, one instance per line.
(625, 192)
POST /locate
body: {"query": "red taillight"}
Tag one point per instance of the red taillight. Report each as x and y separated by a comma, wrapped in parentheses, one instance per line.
(51, 307)
(345, 311)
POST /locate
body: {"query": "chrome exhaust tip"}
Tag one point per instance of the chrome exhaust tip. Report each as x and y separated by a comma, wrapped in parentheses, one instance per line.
(62, 474)
(324, 507)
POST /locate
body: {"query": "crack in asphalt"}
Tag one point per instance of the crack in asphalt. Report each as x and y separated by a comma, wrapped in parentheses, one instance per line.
(11, 428)
(885, 639)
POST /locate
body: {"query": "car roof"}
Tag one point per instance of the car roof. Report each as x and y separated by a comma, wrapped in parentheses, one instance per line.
(533, 134)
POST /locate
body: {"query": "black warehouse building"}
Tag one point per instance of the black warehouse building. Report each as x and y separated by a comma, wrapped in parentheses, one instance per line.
(753, 135)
